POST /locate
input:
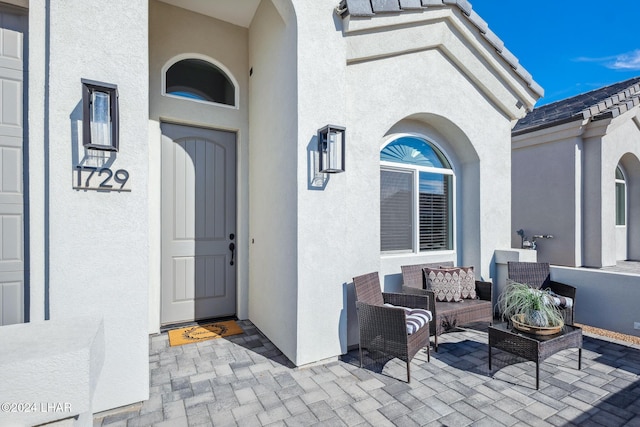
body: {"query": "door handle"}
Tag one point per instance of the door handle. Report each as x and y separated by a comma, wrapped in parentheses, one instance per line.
(232, 248)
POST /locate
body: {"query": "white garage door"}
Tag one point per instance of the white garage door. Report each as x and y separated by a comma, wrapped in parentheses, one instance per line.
(12, 31)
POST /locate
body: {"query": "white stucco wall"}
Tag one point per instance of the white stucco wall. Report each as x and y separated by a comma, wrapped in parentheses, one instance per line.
(178, 33)
(273, 215)
(594, 242)
(378, 88)
(621, 291)
(546, 195)
(330, 226)
(94, 248)
(54, 379)
(37, 48)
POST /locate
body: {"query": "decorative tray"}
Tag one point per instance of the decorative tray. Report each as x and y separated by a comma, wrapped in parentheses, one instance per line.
(518, 323)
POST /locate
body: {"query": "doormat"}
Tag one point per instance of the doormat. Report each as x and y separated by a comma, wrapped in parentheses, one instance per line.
(199, 333)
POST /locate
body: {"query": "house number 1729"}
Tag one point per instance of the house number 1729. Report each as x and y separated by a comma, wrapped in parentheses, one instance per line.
(104, 179)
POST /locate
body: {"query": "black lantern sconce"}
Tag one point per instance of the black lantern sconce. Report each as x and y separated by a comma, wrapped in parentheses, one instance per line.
(99, 115)
(331, 143)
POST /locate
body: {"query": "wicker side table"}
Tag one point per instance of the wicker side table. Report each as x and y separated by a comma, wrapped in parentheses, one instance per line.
(533, 347)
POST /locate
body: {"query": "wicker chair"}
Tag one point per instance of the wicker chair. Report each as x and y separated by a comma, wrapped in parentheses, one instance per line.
(383, 329)
(448, 315)
(538, 275)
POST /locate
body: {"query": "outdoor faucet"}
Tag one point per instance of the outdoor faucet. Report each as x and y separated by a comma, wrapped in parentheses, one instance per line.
(542, 236)
(531, 244)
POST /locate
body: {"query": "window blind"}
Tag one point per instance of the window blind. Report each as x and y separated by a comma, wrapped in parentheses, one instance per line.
(434, 209)
(396, 201)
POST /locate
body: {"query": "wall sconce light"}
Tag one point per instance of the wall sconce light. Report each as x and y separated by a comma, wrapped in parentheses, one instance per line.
(331, 143)
(99, 115)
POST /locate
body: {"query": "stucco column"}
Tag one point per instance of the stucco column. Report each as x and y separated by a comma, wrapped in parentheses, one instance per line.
(592, 205)
(37, 148)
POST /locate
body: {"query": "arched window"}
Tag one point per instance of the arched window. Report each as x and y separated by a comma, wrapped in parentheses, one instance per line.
(416, 197)
(621, 198)
(200, 80)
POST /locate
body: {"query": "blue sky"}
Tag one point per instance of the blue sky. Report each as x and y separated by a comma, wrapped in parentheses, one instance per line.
(569, 46)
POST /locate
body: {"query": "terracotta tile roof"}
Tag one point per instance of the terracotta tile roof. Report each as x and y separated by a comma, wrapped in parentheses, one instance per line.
(371, 8)
(606, 102)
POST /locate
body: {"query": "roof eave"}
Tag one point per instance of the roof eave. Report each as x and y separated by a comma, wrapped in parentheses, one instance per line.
(547, 125)
(365, 9)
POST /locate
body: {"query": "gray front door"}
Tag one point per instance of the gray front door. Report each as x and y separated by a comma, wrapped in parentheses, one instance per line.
(198, 223)
(12, 32)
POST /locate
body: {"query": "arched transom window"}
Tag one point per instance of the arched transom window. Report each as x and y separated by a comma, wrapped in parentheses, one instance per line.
(416, 197)
(621, 198)
(200, 80)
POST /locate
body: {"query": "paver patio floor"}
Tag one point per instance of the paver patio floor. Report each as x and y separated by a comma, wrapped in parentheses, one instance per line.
(244, 380)
(630, 267)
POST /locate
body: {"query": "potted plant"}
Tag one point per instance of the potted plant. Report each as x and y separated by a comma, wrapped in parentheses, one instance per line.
(530, 310)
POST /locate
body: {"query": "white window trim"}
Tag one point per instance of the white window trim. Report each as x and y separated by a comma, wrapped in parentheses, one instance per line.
(182, 57)
(416, 176)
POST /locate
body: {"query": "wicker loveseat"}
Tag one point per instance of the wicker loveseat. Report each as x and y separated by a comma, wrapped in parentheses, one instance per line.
(448, 315)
